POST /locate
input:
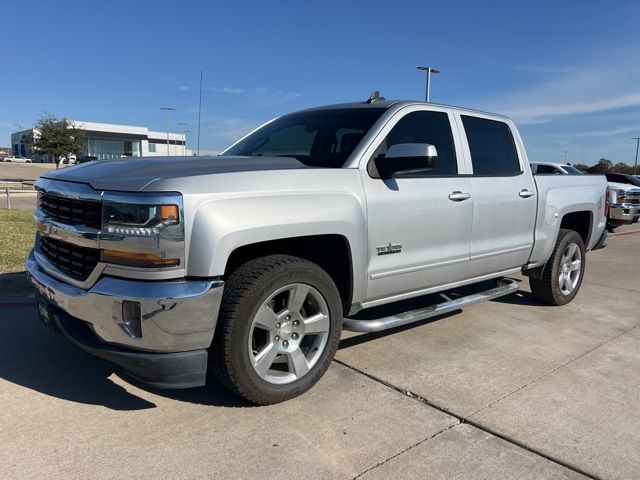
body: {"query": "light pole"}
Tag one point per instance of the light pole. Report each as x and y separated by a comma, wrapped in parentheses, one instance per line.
(184, 138)
(637, 139)
(199, 112)
(429, 71)
(566, 154)
(167, 110)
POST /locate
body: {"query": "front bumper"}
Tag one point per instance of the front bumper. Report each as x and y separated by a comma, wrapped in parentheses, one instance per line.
(623, 214)
(177, 320)
(163, 370)
(175, 315)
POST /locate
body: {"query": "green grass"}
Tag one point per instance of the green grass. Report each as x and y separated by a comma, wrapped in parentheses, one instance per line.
(17, 232)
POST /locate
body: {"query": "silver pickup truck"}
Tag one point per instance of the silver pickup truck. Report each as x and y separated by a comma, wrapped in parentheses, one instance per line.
(251, 263)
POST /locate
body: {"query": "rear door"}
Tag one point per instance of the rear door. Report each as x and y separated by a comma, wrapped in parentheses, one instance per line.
(504, 195)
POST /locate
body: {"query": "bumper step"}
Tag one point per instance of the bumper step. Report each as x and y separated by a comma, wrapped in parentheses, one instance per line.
(505, 287)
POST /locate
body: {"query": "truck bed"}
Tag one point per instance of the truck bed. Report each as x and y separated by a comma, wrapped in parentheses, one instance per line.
(559, 195)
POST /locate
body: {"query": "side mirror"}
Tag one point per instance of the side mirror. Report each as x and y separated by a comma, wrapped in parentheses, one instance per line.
(404, 158)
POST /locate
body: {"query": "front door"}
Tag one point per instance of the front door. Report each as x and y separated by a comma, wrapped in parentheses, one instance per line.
(419, 224)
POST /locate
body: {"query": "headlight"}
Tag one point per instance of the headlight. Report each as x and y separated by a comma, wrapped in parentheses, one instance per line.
(142, 230)
(138, 220)
(621, 195)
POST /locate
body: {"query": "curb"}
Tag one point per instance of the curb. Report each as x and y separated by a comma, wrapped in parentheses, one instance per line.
(15, 285)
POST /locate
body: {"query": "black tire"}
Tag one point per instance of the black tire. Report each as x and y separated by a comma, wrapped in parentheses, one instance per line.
(548, 289)
(245, 291)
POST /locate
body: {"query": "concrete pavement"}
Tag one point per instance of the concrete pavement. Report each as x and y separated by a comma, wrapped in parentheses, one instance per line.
(505, 389)
(19, 200)
(23, 171)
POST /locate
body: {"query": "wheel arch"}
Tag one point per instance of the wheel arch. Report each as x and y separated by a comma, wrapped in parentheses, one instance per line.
(580, 221)
(332, 252)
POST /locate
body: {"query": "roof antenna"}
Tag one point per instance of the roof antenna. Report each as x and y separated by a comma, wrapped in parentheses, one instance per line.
(375, 97)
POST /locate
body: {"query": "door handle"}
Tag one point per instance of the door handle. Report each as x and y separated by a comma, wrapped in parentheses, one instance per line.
(524, 193)
(458, 196)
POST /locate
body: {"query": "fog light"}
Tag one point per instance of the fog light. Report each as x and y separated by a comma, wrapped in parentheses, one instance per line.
(131, 318)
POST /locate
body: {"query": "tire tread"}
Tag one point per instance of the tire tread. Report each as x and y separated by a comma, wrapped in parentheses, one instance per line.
(237, 288)
(544, 288)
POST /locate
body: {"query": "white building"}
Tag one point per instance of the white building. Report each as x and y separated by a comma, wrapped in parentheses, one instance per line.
(106, 140)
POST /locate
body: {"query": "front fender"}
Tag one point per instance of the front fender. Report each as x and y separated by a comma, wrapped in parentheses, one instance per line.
(222, 225)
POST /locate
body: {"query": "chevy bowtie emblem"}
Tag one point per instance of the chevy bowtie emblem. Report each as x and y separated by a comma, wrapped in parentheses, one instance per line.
(389, 249)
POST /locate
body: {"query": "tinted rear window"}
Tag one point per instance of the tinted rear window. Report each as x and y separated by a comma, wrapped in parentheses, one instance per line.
(493, 151)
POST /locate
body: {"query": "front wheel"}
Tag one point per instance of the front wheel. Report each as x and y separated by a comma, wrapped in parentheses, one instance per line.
(278, 330)
(563, 272)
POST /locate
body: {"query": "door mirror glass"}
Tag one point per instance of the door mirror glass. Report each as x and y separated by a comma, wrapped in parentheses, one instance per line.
(404, 158)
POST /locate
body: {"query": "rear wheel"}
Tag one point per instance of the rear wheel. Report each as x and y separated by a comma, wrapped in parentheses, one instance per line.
(278, 329)
(562, 275)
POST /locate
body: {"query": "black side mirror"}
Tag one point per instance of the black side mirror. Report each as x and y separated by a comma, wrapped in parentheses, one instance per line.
(404, 158)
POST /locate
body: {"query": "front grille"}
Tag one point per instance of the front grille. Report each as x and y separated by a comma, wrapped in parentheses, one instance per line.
(632, 198)
(77, 262)
(72, 211)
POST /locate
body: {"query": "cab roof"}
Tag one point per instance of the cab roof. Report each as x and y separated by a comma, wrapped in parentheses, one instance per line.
(386, 104)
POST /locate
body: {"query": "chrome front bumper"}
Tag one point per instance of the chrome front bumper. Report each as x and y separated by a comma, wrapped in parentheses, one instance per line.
(175, 316)
(624, 213)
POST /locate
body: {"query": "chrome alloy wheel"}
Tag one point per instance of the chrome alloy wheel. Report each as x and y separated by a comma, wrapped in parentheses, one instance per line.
(570, 269)
(289, 333)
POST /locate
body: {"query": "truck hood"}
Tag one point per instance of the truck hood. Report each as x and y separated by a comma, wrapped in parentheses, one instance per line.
(623, 186)
(133, 174)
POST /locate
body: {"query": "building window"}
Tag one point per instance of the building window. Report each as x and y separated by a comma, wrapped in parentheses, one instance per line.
(107, 149)
(152, 147)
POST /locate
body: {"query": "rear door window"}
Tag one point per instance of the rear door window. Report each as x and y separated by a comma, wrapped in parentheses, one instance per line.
(493, 150)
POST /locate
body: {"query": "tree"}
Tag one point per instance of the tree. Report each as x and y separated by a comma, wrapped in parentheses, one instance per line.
(604, 165)
(57, 137)
(581, 166)
(622, 168)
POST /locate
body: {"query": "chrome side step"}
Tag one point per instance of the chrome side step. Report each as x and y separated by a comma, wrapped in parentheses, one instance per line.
(505, 287)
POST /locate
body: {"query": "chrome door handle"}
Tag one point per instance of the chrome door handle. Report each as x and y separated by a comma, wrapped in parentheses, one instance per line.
(524, 193)
(458, 196)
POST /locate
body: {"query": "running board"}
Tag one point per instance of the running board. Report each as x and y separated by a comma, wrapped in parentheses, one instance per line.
(505, 287)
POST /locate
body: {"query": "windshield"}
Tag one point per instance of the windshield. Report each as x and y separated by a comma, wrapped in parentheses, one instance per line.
(633, 180)
(572, 170)
(317, 138)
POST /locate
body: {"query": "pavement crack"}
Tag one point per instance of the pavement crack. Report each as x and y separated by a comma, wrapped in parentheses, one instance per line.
(613, 288)
(465, 419)
(407, 393)
(555, 369)
(382, 462)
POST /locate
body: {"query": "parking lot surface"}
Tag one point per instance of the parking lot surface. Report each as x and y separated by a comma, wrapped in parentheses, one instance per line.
(504, 389)
(18, 200)
(23, 171)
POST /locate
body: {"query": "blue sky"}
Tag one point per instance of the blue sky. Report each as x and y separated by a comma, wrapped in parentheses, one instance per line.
(567, 71)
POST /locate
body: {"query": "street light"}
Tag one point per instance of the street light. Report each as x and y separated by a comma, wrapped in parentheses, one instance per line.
(167, 110)
(566, 154)
(637, 139)
(184, 145)
(429, 71)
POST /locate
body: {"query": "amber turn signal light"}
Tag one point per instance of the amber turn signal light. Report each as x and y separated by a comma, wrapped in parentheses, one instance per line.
(137, 259)
(169, 213)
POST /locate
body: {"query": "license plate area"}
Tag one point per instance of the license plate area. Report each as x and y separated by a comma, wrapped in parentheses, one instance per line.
(46, 313)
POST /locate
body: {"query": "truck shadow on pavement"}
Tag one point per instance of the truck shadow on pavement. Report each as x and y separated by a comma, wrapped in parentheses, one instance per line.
(33, 357)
